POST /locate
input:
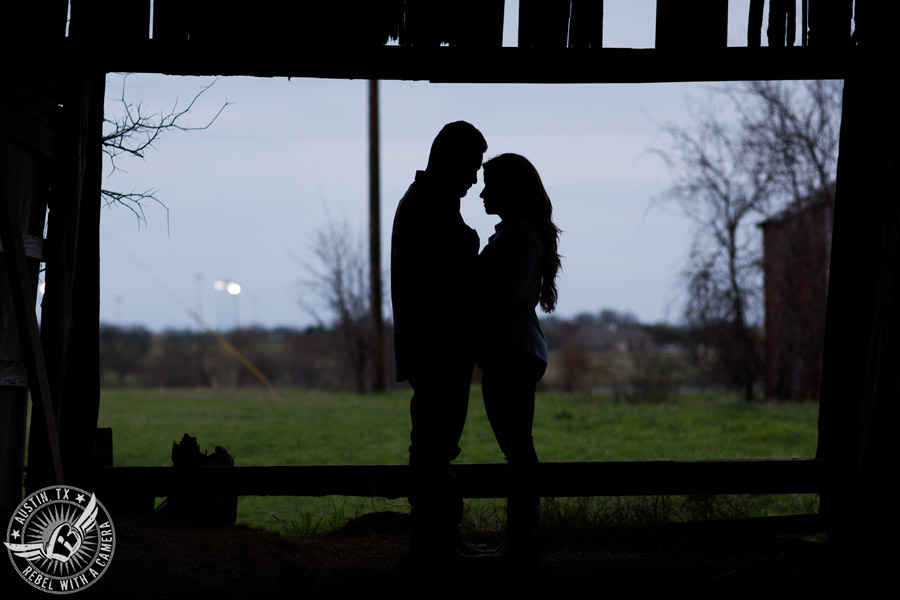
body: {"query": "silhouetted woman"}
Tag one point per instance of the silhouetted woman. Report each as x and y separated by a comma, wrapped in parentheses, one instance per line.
(516, 272)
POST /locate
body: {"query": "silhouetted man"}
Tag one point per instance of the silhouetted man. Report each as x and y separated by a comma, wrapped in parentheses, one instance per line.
(433, 255)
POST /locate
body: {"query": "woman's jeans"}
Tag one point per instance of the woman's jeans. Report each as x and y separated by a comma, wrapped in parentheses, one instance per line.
(508, 386)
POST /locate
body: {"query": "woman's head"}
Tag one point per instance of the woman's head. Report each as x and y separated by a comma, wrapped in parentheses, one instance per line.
(513, 190)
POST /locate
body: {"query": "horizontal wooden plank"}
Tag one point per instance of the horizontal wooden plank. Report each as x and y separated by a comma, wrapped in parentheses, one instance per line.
(34, 246)
(445, 64)
(476, 480)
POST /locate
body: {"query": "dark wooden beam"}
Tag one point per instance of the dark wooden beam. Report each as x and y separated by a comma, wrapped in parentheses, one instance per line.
(445, 64)
(859, 411)
(476, 480)
(80, 400)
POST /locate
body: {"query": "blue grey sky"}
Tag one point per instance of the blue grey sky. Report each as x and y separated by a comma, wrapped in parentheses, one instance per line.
(285, 155)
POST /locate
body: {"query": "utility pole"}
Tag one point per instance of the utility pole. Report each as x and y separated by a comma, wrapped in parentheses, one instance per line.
(379, 381)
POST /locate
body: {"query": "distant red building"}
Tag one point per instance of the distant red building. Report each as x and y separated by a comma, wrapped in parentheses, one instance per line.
(796, 247)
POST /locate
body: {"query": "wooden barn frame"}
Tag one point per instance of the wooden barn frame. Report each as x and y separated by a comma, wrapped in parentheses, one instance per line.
(51, 113)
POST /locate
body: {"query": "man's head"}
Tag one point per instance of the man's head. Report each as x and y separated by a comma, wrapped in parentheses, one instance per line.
(456, 155)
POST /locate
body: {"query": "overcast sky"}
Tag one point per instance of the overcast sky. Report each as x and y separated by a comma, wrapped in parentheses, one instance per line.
(285, 155)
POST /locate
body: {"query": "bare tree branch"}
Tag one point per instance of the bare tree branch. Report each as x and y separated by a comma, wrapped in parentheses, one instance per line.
(133, 201)
(135, 130)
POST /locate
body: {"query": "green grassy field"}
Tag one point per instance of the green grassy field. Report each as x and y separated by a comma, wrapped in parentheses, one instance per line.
(308, 427)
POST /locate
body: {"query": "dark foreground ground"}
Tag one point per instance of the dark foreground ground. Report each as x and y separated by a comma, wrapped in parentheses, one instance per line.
(156, 558)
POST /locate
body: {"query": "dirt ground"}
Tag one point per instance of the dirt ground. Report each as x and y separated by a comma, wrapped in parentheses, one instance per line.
(160, 558)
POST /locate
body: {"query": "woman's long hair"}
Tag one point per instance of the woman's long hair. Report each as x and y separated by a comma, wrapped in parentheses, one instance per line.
(524, 196)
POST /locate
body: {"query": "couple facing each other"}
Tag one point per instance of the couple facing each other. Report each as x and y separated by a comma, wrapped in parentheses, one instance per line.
(455, 308)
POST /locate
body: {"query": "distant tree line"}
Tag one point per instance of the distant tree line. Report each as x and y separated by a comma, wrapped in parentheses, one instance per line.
(590, 353)
(312, 358)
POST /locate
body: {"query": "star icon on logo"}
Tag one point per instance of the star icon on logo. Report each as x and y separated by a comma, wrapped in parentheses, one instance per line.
(15, 535)
(79, 498)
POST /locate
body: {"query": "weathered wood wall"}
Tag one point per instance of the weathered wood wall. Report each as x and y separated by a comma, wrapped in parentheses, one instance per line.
(50, 124)
(71, 306)
(28, 112)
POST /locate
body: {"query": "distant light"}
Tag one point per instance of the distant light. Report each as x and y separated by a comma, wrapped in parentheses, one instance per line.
(42, 287)
(233, 288)
(219, 285)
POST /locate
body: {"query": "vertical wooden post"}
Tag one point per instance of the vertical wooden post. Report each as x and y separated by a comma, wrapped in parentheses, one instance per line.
(586, 24)
(543, 23)
(829, 22)
(379, 382)
(81, 386)
(859, 412)
(804, 22)
(696, 24)
(70, 310)
(754, 23)
(847, 321)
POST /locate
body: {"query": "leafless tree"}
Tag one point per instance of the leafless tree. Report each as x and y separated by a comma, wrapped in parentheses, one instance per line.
(721, 187)
(133, 130)
(340, 281)
(770, 146)
(794, 127)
